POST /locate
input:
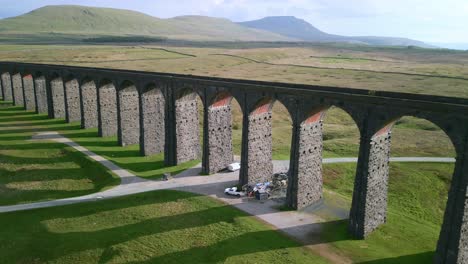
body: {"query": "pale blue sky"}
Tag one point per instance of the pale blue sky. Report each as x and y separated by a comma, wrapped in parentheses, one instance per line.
(426, 20)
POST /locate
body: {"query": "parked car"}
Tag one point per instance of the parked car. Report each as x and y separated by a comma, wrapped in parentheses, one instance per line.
(233, 191)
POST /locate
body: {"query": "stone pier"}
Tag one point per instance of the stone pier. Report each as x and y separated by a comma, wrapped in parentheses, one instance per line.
(58, 98)
(89, 105)
(41, 94)
(72, 101)
(29, 97)
(153, 121)
(18, 93)
(128, 115)
(187, 127)
(107, 98)
(6, 85)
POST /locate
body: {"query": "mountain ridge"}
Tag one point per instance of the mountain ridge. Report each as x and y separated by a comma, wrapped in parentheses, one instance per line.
(297, 28)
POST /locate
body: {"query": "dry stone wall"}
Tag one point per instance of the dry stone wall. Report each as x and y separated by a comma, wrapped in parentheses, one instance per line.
(153, 114)
(18, 95)
(187, 128)
(29, 97)
(40, 85)
(73, 104)
(89, 105)
(108, 111)
(58, 98)
(7, 89)
(260, 165)
(219, 138)
(129, 113)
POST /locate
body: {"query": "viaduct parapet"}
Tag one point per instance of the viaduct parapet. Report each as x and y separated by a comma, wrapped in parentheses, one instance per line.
(159, 112)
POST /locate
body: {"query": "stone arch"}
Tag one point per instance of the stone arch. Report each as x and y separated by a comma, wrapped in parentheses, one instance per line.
(107, 108)
(89, 103)
(153, 114)
(29, 93)
(128, 105)
(57, 93)
(6, 86)
(72, 100)
(18, 92)
(187, 125)
(41, 93)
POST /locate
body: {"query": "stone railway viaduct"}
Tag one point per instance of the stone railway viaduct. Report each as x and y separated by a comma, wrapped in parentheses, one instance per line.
(159, 112)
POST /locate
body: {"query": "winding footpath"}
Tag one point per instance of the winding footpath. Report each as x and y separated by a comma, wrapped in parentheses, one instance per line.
(300, 225)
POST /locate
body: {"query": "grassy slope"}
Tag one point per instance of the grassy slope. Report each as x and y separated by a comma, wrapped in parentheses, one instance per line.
(416, 202)
(157, 227)
(91, 21)
(36, 171)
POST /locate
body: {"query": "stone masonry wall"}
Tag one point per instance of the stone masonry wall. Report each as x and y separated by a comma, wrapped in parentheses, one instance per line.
(29, 98)
(260, 165)
(129, 121)
(377, 182)
(89, 104)
(309, 182)
(153, 114)
(58, 98)
(219, 138)
(6, 84)
(108, 110)
(41, 95)
(187, 129)
(73, 104)
(18, 96)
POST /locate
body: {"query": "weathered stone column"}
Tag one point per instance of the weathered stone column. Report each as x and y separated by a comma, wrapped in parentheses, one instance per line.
(42, 103)
(107, 102)
(128, 115)
(369, 205)
(29, 98)
(18, 93)
(152, 121)
(257, 165)
(187, 127)
(7, 88)
(89, 105)
(72, 101)
(305, 180)
(58, 98)
(452, 246)
(170, 145)
(219, 134)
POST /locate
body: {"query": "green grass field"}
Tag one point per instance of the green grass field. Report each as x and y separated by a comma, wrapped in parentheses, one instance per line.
(37, 171)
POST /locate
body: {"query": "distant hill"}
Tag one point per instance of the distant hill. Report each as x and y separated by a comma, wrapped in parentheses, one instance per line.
(81, 21)
(300, 29)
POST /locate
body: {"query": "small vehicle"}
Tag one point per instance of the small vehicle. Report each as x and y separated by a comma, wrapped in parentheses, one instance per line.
(233, 192)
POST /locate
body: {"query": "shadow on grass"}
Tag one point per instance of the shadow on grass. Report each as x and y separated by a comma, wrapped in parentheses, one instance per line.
(426, 257)
(219, 219)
